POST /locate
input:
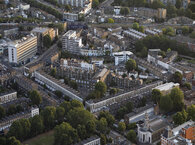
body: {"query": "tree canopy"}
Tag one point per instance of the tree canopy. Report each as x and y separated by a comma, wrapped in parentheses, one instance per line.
(130, 65)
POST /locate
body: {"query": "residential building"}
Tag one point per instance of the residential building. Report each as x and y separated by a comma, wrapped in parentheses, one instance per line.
(53, 84)
(162, 13)
(184, 3)
(24, 7)
(70, 16)
(43, 31)
(77, 64)
(71, 42)
(183, 134)
(20, 51)
(122, 56)
(150, 131)
(97, 61)
(7, 97)
(6, 122)
(94, 140)
(167, 87)
(74, 3)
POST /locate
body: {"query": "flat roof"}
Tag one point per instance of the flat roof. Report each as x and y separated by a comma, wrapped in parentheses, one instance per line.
(166, 86)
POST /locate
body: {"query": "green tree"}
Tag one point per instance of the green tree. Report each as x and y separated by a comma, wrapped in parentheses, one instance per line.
(68, 8)
(2, 112)
(47, 41)
(109, 117)
(130, 65)
(113, 91)
(110, 20)
(90, 127)
(60, 113)
(188, 86)
(129, 106)
(178, 4)
(95, 3)
(103, 139)
(48, 115)
(58, 93)
(131, 135)
(3, 140)
(178, 118)
(121, 126)
(131, 126)
(35, 97)
(53, 72)
(135, 26)
(13, 141)
(141, 29)
(177, 77)
(65, 134)
(82, 132)
(177, 97)
(185, 30)
(12, 110)
(101, 87)
(166, 104)
(102, 125)
(156, 95)
(191, 112)
(37, 126)
(73, 84)
(124, 11)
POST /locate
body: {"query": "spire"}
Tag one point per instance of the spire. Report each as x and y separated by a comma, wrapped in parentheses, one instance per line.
(146, 121)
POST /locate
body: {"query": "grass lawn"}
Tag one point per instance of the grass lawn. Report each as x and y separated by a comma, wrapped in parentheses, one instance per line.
(43, 139)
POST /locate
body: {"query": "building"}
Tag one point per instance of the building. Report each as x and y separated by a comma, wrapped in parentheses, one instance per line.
(24, 7)
(74, 3)
(184, 4)
(162, 13)
(77, 64)
(139, 114)
(150, 131)
(53, 84)
(183, 134)
(6, 122)
(122, 56)
(167, 87)
(70, 16)
(97, 61)
(94, 140)
(7, 97)
(20, 51)
(43, 31)
(71, 42)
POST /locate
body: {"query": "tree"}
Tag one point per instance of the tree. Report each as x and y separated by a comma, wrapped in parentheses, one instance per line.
(65, 134)
(53, 72)
(178, 118)
(135, 26)
(76, 104)
(121, 126)
(73, 85)
(131, 126)
(130, 65)
(26, 126)
(95, 3)
(166, 104)
(185, 30)
(113, 91)
(58, 93)
(13, 141)
(178, 4)
(2, 112)
(68, 8)
(188, 86)
(129, 106)
(47, 41)
(82, 131)
(12, 110)
(36, 125)
(191, 112)
(60, 112)
(141, 29)
(102, 125)
(177, 77)
(177, 97)
(109, 117)
(48, 115)
(101, 87)
(90, 127)
(156, 95)
(124, 11)
(103, 139)
(131, 135)
(35, 97)
(110, 20)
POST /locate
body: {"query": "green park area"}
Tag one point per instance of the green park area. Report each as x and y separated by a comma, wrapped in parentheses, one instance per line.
(43, 139)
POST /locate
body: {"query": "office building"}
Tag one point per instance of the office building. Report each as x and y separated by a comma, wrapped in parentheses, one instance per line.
(71, 42)
(20, 51)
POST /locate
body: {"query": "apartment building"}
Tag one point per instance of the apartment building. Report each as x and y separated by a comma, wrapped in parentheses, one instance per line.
(94, 140)
(122, 56)
(75, 3)
(70, 16)
(41, 32)
(77, 64)
(7, 97)
(20, 51)
(71, 42)
(6, 122)
(185, 3)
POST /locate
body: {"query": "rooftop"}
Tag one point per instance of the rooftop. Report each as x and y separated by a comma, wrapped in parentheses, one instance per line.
(167, 86)
(39, 30)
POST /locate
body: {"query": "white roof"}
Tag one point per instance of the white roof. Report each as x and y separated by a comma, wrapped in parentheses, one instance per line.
(166, 86)
(178, 128)
(123, 53)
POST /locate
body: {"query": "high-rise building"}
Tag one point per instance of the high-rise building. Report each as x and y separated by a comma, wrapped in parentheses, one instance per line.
(71, 42)
(20, 51)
